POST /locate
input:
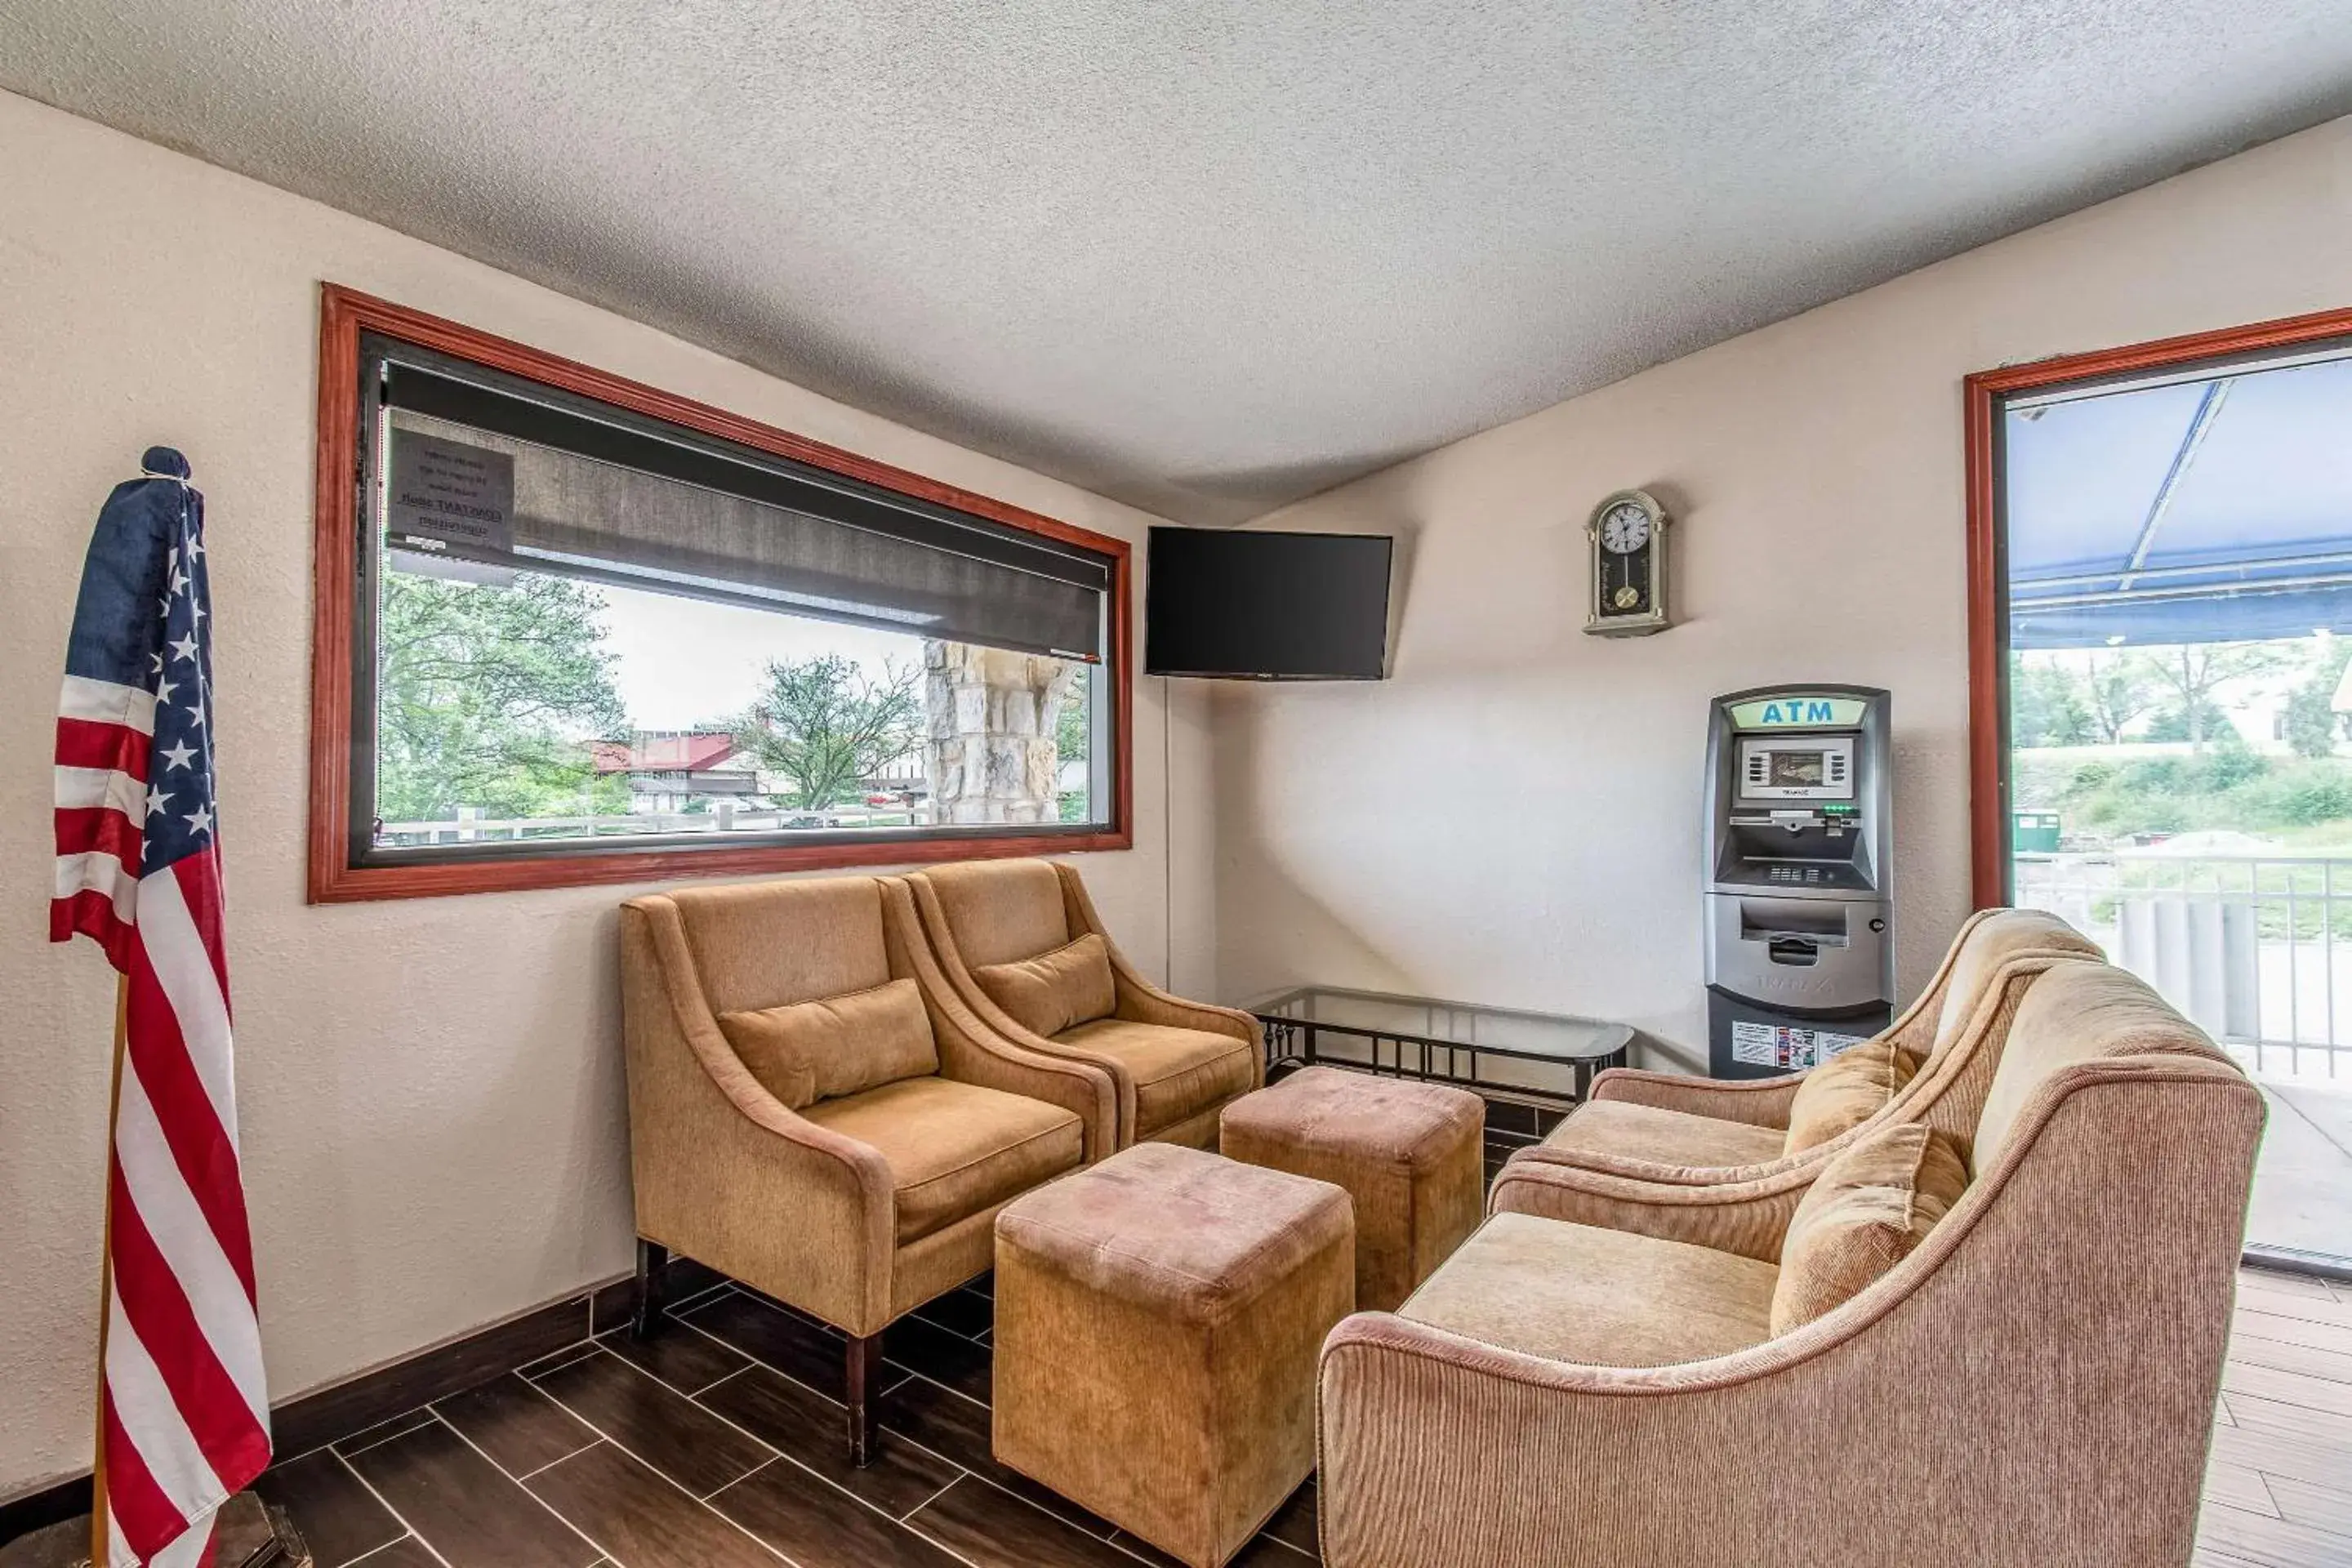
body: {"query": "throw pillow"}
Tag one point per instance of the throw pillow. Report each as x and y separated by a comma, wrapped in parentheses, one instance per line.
(1866, 1212)
(1845, 1091)
(1057, 990)
(808, 1051)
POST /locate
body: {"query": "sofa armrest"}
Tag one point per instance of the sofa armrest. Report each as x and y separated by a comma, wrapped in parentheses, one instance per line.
(1750, 1218)
(717, 1159)
(972, 1052)
(1758, 1102)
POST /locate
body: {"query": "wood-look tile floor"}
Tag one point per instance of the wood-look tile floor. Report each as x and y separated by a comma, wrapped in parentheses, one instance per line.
(719, 1446)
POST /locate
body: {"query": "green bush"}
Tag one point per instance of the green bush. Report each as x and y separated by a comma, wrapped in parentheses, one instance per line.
(2319, 800)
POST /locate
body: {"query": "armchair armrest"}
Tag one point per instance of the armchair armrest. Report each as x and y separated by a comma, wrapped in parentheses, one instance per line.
(1750, 1218)
(1757, 1102)
(1144, 1003)
(931, 922)
(972, 1052)
(717, 1159)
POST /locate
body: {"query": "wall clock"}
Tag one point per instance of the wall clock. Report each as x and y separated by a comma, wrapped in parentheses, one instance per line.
(1628, 535)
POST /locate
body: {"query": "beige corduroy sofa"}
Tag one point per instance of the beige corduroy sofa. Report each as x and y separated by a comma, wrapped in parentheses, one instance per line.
(1672, 1127)
(860, 1192)
(1176, 1064)
(1593, 1380)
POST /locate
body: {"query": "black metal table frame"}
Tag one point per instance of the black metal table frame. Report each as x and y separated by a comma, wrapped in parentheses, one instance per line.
(1282, 1033)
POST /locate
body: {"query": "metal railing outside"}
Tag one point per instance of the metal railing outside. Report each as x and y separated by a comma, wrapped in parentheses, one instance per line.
(2257, 949)
(722, 818)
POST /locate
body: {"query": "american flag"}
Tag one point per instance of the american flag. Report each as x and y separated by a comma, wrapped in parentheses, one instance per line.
(184, 1413)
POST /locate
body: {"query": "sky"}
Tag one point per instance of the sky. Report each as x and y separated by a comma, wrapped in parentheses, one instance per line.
(683, 662)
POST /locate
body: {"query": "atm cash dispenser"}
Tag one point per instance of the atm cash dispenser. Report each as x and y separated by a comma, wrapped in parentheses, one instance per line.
(1800, 944)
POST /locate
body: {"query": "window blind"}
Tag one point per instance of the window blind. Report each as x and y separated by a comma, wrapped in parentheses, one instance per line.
(564, 484)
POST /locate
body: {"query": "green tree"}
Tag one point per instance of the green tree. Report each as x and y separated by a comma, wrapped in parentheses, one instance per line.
(2312, 722)
(1073, 737)
(826, 723)
(2191, 674)
(2045, 706)
(2116, 691)
(486, 695)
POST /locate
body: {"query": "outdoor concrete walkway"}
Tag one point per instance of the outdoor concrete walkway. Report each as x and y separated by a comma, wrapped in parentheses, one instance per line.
(2302, 1182)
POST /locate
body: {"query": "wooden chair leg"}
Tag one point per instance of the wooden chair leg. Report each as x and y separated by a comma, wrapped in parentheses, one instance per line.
(864, 1352)
(653, 1259)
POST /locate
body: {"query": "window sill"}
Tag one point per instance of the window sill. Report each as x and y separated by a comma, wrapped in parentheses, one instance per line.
(443, 879)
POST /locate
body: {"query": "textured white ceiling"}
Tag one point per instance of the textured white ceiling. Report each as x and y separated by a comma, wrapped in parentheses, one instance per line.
(1205, 258)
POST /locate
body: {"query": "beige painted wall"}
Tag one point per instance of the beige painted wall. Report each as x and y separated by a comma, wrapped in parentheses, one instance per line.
(1513, 818)
(431, 1090)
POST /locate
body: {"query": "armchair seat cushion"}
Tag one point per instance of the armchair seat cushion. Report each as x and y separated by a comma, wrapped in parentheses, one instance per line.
(1179, 1073)
(954, 1149)
(1625, 1130)
(1598, 1298)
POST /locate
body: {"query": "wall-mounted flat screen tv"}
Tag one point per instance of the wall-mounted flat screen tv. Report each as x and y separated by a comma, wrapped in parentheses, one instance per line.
(1244, 605)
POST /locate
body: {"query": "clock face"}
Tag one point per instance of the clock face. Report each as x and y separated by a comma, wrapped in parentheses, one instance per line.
(1625, 529)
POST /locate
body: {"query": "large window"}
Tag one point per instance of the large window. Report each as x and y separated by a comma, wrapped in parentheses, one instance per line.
(572, 629)
(2163, 691)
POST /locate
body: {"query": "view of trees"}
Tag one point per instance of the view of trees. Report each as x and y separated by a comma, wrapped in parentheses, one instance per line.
(486, 696)
(2117, 699)
(825, 723)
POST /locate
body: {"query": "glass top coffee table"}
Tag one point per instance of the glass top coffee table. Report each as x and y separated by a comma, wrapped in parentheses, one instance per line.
(1539, 1055)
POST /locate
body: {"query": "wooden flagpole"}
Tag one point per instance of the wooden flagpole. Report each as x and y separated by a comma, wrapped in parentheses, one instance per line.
(98, 1541)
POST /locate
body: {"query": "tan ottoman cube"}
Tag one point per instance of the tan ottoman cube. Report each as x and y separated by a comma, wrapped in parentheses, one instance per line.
(1157, 1320)
(1411, 1155)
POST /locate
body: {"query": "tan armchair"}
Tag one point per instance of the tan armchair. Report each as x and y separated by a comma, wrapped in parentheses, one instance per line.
(1177, 1063)
(853, 1206)
(1594, 1379)
(1674, 1128)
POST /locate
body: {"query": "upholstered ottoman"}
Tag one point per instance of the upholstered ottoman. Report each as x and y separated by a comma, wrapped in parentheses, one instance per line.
(1411, 1155)
(1157, 1322)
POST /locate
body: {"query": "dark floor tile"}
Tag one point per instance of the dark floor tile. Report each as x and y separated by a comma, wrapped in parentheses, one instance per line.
(965, 1312)
(777, 1337)
(1294, 1523)
(579, 1349)
(465, 1507)
(943, 1357)
(949, 1424)
(819, 1526)
(1509, 1115)
(658, 1425)
(994, 1529)
(518, 1426)
(984, 1283)
(640, 1519)
(407, 1552)
(385, 1431)
(687, 1361)
(687, 1277)
(339, 1518)
(813, 1429)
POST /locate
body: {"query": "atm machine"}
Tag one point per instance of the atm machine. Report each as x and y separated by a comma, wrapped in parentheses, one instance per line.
(1797, 890)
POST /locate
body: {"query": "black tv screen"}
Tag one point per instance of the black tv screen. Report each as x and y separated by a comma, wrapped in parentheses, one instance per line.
(1266, 606)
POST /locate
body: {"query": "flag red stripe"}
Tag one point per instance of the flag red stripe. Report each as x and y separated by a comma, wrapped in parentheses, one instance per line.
(206, 1158)
(101, 828)
(109, 748)
(149, 1521)
(91, 913)
(218, 1416)
(200, 889)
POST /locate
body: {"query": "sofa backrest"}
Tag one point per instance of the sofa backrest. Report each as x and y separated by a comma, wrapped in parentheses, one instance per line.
(763, 944)
(1988, 945)
(2077, 1013)
(1000, 911)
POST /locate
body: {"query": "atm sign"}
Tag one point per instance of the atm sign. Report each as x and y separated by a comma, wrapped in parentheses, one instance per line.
(1798, 713)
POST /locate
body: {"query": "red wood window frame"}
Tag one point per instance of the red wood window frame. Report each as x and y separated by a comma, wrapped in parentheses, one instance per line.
(343, 315)
(1988, 592)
